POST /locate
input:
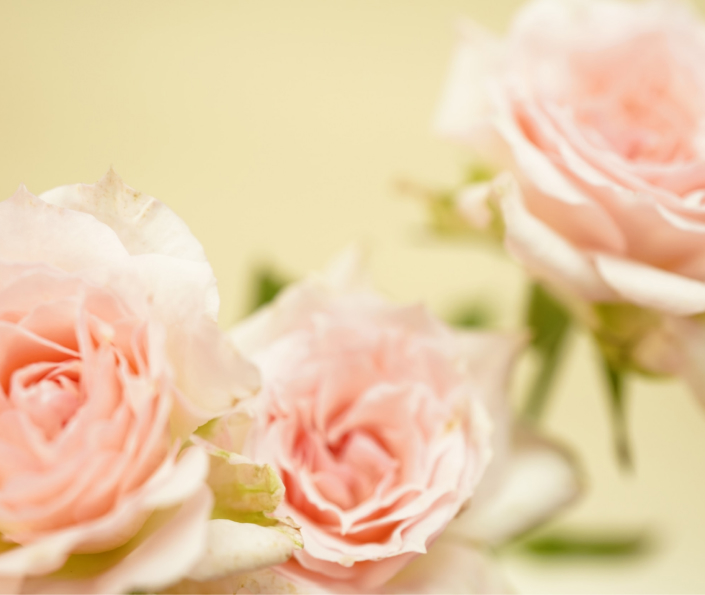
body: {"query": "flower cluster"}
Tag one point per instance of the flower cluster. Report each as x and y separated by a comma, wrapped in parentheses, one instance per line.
(336, 442)
(142, 451)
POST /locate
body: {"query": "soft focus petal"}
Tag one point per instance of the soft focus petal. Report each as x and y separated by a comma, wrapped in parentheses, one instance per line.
(651, 287)
(344, 274)
(182, 480)
(465, 104)
(538, 167)
(537, 480)
(690, 353)
(347, 272)
(211, 374)
(547, 254)
(182, 483)
(167, 554)
(488, 358)
(174, 288)
(262, 581)
(10, 584)
(451, 566)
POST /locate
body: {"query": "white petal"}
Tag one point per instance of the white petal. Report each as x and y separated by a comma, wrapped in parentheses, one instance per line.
(49, 554)
(173, 288)
(473, 204)
(538, 480)
(183, 482)
(41, 557)
(262, 581)
(488, 359)
(689, 336)
(166, 555)
(650, 287)
(347, 272)
(450, 567)
(464, 104)
(345, 275)
(241, 547)
(34, 231)
(547, 254)
(143, 224)
(211, 374)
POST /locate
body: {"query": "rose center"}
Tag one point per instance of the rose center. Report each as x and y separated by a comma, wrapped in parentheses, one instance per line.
(639, 98)
(48, 393)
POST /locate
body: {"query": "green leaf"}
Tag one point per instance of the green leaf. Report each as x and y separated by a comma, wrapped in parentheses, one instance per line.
(266, 285)
(478, 172)
(549, 322)
(475, 314)
(615, 377)
(593, 544)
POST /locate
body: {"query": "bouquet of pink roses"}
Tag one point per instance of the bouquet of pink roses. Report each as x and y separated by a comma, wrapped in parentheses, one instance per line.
(335, 441)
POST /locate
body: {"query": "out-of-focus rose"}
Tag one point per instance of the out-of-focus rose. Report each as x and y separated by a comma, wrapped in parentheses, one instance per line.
(599, 109)
(382, 423)
(109, 358)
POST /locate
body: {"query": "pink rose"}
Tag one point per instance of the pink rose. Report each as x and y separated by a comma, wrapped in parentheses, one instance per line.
(599, 107)
(109, 358)
(382, 422)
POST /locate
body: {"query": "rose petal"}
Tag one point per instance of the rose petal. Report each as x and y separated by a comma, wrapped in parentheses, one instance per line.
(167, 554)
(537, 480)
(10, 584)
(548, 254)
(488, 358)
(182, 483)
(34, 231)
(120, 524)
(241, 547)
(465, 103)
(262, 581)
(651, 287)
(143, 224)
(450, 567)
(210, 372)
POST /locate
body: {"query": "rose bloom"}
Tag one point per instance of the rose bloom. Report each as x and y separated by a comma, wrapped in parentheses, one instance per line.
(598, 107)
(384, 424)
(109, 358)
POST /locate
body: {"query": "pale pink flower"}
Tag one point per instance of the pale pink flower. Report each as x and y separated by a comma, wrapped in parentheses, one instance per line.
(384, 424)
(109, 358)
(598, 107)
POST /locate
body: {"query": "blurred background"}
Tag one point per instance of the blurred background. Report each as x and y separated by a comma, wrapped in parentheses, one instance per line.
(279, 131)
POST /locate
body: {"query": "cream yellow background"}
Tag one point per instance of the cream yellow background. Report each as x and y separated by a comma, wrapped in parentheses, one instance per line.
(277, 130)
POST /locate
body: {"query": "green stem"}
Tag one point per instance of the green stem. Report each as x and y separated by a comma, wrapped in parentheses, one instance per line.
(539, 393)
(617, 397)
(549, 322)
